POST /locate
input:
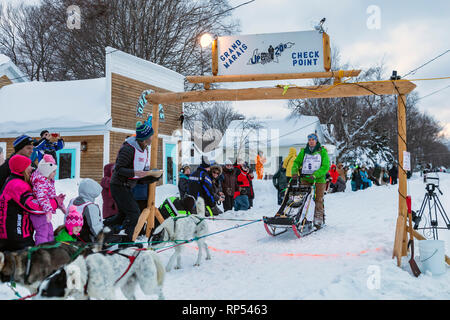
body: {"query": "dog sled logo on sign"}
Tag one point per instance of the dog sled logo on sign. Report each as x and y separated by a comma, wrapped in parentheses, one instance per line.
(289, 52)
(271, 55)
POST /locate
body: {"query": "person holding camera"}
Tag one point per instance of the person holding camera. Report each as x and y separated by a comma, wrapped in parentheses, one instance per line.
(46, 146)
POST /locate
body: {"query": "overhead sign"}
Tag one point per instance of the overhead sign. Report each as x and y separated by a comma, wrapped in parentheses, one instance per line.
(289, 52)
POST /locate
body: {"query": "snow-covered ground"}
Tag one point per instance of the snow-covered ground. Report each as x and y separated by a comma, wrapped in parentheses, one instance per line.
(349, 259)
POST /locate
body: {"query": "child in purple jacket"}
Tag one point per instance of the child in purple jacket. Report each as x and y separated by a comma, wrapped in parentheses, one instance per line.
(43, 183)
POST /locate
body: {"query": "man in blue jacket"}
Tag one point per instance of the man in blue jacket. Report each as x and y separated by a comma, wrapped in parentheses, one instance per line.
(45, 146)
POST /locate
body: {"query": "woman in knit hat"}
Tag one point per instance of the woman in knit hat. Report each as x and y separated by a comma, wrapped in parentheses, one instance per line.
(132, 167)
(72, 226)
(17, 202)
(43, 183)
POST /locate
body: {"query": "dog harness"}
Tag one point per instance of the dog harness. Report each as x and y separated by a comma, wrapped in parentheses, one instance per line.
(131, 258)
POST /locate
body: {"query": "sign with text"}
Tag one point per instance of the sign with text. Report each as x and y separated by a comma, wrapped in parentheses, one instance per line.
(406, 161)
(288, 52)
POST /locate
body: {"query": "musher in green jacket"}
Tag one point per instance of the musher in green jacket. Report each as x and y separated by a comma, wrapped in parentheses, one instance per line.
(314, 162)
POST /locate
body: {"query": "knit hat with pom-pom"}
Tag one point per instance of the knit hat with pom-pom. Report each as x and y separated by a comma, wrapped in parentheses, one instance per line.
(73, 219)
(144, 130)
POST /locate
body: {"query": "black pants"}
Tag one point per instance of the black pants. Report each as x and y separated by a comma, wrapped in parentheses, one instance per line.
(15, 245)
(129, 210)
(228, 204)
(281, 196)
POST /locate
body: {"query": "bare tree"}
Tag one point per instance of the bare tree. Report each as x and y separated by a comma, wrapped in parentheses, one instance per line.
(165, 32)
(28, 36)
(354, 120)
(364, 129)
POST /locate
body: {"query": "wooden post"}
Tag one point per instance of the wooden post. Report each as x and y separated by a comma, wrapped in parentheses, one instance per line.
(148, 214)
(400, 242)
(153, 165)
(215, 59)
(326, 52)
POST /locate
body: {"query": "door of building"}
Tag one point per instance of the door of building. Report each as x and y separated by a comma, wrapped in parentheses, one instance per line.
(66, 164)
(170, 173)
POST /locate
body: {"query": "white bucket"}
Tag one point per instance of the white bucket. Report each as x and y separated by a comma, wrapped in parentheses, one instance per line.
(432, 256)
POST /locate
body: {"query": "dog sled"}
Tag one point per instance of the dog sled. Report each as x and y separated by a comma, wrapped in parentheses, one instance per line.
(296, 212)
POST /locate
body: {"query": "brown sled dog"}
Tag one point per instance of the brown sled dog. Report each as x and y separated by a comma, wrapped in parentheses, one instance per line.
(28, 267)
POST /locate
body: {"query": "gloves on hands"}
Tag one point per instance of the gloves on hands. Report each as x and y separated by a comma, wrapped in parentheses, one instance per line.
(60, 201)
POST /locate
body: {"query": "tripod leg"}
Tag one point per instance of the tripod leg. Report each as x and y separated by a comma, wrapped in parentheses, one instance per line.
(418, 217)
(442, 212)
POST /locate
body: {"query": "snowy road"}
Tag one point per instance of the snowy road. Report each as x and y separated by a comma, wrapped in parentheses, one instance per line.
(349, 259)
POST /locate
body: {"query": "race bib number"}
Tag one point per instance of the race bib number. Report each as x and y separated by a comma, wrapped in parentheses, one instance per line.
(311, 163)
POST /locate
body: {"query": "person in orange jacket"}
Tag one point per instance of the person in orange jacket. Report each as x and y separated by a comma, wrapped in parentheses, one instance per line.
(260, 161)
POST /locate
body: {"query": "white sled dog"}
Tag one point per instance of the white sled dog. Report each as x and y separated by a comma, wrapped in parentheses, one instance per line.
(181, 228)
(98, 275)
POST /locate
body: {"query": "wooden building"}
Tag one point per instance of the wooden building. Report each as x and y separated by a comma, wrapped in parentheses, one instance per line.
(94, 116)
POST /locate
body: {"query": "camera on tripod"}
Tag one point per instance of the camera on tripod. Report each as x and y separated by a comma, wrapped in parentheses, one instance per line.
(433, 181)
(431, 201)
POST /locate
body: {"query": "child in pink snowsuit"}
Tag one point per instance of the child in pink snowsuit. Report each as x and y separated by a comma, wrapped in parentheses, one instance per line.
(43, 183)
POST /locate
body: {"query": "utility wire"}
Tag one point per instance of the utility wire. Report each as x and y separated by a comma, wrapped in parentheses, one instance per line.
(414, 70)
(434, 92)
(223, 12)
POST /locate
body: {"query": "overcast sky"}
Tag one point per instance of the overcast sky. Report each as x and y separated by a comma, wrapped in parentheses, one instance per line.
(410, 33)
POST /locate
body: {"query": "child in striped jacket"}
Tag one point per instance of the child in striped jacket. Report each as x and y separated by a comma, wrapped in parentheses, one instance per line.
(43, 184)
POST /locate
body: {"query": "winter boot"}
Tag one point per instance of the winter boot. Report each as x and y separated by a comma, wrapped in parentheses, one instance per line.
(318, 223)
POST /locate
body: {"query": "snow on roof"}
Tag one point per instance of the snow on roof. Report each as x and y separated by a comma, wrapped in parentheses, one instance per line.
(60, 106)
(4, 59)
(142, 70)
(288, 131)
(8, 68)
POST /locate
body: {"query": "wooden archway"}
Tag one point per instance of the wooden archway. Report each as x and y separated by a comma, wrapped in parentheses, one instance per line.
(338, 89)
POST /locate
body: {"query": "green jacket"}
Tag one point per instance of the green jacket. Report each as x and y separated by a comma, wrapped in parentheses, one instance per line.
(64, 236)
(319, 174)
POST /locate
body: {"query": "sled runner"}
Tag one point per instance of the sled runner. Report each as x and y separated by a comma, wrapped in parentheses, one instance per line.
(296, 212)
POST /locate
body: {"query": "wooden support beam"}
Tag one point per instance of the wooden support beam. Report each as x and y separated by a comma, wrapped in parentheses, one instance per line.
(273, 76)
(344, 89)
(399, 236)
(400, 242)
(326, 51)
(215, 58)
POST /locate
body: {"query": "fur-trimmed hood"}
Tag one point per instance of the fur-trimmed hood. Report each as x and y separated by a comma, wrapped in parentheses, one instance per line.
(216, 167)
